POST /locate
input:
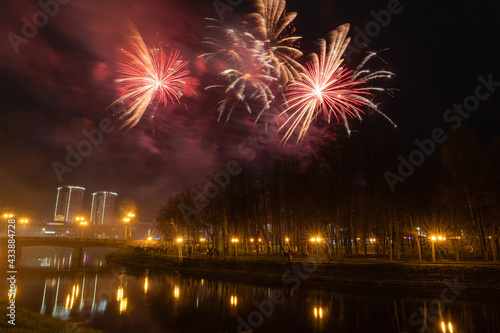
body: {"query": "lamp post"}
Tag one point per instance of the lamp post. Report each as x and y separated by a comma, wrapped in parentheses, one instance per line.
(202, 241)
(179, 244)
(433, 244)
(316, 240)
(81, 221)
(7, 216)
(235, 242)
(129, 218)
(23, 222)
(126, 220)
(83, 224)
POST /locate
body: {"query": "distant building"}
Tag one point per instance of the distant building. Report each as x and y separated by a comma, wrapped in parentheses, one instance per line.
(103, 208)
(68, 203)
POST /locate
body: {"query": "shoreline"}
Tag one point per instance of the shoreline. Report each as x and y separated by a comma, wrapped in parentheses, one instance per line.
(30, 321)
(376, 276)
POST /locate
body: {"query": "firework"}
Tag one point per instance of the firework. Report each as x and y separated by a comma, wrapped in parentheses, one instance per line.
(327, 87)
(271, 24)
(249, 73)
(146, 74)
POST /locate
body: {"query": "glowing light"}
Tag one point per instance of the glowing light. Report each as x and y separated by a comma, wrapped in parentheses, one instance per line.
(234, 300)
(123, 305)
(176, 291)
(179, 240)
(119, 294)
(318, 313)
(146, 284)
(147, 73)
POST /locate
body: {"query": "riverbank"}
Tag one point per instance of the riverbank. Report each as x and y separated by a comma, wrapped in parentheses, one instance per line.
(30, 321)
(321, 274)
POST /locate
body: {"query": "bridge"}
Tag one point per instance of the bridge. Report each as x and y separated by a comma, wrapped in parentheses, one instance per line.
(78, 244)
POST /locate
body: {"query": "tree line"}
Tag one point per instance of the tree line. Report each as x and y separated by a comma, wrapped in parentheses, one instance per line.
(340, 194)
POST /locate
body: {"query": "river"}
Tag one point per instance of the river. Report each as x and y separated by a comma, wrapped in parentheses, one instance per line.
(115, 299)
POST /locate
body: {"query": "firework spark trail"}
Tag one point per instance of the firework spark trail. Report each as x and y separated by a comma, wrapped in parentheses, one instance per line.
(250, 71)
(271, 23)
(327, 88)
(147, 73)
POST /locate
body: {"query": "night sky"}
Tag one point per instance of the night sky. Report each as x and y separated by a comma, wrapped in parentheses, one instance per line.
(61, 82)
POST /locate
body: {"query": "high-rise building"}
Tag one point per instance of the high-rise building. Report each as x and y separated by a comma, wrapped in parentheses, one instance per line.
(103, 208)
(68, 203)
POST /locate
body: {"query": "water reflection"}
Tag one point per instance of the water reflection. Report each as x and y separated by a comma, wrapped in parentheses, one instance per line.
(116, 300)
(449, 326)
(58, 258)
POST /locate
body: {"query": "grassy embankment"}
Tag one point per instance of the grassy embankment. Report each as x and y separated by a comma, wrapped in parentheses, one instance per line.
(29, 321)
(348, 272)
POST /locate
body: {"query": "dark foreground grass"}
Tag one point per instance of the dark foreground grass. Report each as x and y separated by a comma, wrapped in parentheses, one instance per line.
(29, 321)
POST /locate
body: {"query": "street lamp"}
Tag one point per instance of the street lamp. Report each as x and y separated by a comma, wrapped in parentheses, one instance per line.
(179, 242)
(130, 216)
(126, 220)
(23, 222)
(433, 241)
(316, 240)
(235, 242)
(7, 216)
(202, 241)
(83, 224)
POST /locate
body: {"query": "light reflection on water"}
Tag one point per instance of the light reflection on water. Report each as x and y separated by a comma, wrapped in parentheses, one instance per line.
(58, 258)
(117, 301)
